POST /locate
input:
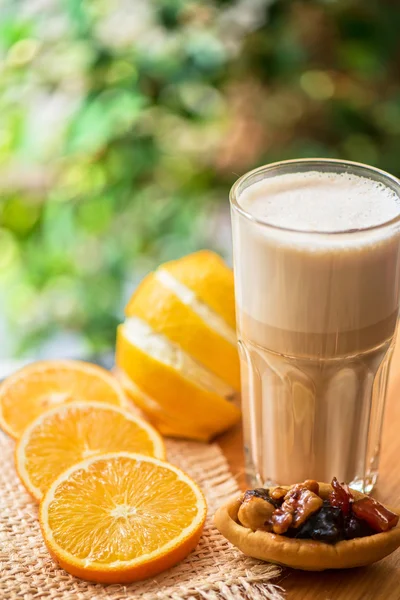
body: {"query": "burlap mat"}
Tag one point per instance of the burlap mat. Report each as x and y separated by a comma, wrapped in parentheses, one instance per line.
(214, 571)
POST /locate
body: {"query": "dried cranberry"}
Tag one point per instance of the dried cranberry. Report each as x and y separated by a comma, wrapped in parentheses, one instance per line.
(340, 496)
(375, 514)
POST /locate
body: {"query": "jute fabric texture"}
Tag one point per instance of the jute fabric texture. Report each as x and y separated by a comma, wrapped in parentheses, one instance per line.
(214, 571)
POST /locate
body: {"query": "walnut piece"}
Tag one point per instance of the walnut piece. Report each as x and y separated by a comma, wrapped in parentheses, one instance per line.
(278, 493)
(301, 503)
(281, 520)
(311, 485)
(257, 510)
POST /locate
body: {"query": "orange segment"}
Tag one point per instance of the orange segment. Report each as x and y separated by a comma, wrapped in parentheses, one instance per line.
(206, 274)
(187, 406)
(121, 517)
(166, 314)
(72, 432)
(46, 384)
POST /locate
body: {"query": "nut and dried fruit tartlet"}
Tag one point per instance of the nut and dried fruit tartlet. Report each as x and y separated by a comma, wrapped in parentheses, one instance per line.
(311, 526)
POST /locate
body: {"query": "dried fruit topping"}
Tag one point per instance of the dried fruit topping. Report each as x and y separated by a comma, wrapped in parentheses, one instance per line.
(258, 493)
(354, 528)
(263, 493)
(301, 513)
(340, 496)
(326, 525)
(378, 517)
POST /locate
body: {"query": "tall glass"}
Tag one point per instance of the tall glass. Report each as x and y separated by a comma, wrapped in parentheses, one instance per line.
(316, 317)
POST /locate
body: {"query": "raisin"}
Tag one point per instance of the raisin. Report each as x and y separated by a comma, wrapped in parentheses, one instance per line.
(326, 525)
(264, 494)
(355, 528)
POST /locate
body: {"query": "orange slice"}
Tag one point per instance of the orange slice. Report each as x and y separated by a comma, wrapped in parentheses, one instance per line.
(67, 434)
(121, 517)
(46, 384)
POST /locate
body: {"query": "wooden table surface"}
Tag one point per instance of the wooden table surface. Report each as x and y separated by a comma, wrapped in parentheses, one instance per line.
(380, 581)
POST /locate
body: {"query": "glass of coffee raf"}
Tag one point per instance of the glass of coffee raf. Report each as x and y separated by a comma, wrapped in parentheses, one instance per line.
(317, 267)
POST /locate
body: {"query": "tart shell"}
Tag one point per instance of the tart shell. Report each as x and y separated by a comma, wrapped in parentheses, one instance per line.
(307, 555)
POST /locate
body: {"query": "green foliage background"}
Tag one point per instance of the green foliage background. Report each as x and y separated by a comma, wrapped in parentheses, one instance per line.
(123, 125)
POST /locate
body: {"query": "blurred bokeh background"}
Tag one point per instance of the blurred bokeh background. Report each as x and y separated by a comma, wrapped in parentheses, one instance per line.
(123, 124)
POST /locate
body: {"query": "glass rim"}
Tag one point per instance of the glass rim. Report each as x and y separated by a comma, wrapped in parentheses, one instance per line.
(380, 176)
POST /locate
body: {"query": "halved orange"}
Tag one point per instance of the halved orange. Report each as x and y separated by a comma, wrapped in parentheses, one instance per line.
(206, 337)
(176, 352)
(121, 517)
(68, 434)
(206, 273)
(45, 384)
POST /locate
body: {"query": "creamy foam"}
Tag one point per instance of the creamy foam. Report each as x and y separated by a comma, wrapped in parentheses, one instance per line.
(321, 202)
(317, 294)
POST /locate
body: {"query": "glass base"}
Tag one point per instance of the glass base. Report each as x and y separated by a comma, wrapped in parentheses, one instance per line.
(364, 485)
